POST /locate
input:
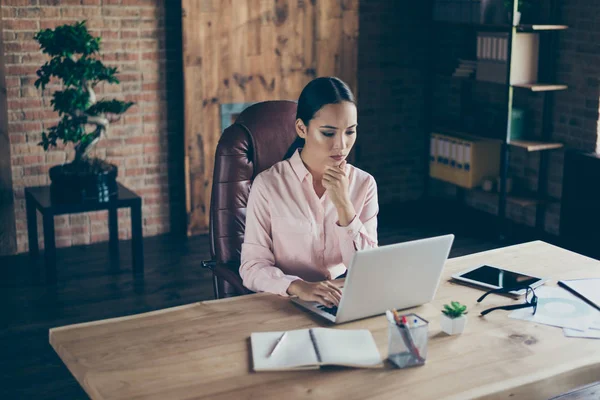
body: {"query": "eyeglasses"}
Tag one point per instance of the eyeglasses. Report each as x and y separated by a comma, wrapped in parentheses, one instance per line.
(531, 300)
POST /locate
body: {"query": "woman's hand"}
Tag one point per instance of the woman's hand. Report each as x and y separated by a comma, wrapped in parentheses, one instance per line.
(327, 293)
(336, 182)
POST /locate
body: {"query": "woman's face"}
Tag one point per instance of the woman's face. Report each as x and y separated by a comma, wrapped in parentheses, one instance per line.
(330, 135)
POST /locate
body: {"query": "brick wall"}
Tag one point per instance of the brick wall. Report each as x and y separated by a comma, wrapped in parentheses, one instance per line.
(143, 39)
(392, 90)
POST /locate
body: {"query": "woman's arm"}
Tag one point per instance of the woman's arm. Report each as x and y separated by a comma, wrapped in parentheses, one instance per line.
(361, 232)
(257, 269)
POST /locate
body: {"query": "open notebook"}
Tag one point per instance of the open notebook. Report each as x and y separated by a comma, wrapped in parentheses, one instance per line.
(312, 348)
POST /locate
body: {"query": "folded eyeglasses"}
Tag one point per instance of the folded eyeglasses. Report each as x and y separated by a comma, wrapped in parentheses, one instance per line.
(531, 300)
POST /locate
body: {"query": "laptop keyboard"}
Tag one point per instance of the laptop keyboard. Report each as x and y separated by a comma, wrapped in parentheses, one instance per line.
(331, 310)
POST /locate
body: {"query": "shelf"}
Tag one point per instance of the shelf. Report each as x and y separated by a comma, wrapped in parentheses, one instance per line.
(537, 28)
(522, 200)
(505, 27)
(479, 27)
(531, 145)
(541, 87)
(534, 87)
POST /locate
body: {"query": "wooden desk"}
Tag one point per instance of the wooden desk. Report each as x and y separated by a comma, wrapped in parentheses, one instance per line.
(202, 350)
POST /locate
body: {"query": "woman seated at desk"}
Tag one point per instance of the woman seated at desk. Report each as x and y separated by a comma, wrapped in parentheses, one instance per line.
(308, 214)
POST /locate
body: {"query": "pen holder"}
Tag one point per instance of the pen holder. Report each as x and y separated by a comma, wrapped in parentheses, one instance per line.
(408, 343)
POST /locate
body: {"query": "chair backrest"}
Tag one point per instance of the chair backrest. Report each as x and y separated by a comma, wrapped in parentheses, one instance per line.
(259, 138)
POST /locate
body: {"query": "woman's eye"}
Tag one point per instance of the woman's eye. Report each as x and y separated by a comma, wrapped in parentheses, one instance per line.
(328, 134)
(350, 132)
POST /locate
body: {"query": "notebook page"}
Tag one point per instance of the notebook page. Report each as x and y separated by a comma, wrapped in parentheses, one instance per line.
(347, 347)
(296, 350)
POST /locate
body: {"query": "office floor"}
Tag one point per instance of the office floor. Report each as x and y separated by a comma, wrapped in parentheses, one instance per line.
(91, 288)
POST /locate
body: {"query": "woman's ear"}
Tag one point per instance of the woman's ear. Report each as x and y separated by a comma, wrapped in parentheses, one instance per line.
(301, 129)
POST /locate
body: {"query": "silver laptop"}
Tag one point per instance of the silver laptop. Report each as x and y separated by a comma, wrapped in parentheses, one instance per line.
(396, 276)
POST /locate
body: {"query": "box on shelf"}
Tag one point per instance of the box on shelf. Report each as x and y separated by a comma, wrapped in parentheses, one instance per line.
(518, 123)
(492, 56)
(462, 159)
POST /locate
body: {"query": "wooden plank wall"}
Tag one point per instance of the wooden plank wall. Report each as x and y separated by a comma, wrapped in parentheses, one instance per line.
(8, 235)
(248, 51)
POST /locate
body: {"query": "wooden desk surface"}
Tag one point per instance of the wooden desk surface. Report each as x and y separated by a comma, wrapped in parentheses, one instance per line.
(202, 350)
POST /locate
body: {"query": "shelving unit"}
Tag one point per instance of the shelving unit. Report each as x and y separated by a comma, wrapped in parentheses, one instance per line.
(546, 88)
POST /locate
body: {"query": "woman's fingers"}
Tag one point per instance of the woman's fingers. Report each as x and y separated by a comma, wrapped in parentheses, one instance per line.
(334, 286)
(333, 173)
(322, 299)
(330, 294)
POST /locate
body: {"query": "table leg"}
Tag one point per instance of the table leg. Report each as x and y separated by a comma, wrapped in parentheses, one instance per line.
(137, 244)
(113, 232)
(32, 232)
(49, 248)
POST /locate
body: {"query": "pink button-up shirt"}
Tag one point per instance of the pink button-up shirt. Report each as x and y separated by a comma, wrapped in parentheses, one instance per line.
(292, 234)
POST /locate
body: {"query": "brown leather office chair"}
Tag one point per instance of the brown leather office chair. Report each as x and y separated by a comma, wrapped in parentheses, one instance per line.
(259, 138)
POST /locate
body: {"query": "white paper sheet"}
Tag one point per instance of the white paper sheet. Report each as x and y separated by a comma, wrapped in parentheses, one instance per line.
(558, 307)
(588, 333)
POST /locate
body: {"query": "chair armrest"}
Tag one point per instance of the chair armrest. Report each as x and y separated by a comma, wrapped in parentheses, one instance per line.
(210, 264)
(230, 274)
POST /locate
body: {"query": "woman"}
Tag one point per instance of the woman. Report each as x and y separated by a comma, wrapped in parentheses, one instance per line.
(309, 214)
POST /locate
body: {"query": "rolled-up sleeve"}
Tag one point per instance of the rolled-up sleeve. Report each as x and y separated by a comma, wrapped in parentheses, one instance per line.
(257, 269)
(361, 233)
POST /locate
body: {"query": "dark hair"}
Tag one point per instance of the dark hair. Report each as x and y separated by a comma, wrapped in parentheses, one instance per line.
(316, 94)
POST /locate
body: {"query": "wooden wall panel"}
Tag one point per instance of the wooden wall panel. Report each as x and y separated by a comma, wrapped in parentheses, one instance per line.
(243, 51)
(8, 234)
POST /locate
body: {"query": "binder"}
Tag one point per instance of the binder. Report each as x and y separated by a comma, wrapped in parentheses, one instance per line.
(440, 150)
(447, 151)
(467, 156)
(460, 155)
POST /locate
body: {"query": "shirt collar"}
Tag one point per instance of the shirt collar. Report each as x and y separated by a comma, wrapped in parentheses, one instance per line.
(298, 166)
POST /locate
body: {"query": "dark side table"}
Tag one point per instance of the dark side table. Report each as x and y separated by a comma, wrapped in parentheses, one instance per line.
(40, 198)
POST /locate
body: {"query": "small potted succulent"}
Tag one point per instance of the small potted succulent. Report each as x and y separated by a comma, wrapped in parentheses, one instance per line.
(453, 318)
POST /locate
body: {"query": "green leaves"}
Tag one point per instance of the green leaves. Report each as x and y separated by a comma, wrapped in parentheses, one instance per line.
(70, 100)
(76, 73)
(109, 106)
(454, 310)
(66, 40)
(73, 50)
(68, 130)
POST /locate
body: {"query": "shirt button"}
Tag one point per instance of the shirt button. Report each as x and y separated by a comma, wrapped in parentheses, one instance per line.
(351, 231)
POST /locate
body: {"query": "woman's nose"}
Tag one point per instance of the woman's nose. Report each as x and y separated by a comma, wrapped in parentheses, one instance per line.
(339, 142)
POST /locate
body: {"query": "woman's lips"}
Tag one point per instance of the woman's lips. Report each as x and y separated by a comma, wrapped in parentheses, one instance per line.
(338, 158)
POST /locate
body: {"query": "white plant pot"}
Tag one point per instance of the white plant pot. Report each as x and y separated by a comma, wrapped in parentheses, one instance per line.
(453, 326)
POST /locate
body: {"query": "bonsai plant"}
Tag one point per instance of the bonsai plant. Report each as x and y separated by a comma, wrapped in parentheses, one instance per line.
(453, 318)
(84, 119)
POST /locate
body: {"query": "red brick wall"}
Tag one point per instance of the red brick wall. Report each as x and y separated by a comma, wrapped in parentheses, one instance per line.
(145, 144)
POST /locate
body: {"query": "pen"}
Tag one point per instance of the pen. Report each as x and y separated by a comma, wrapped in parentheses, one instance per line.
(277, 343)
